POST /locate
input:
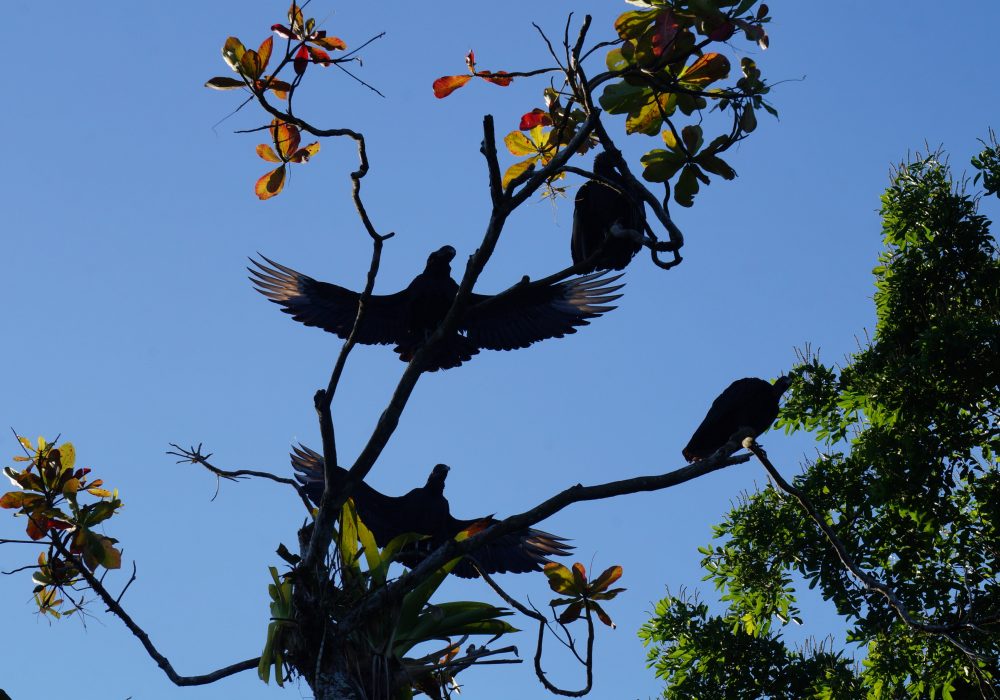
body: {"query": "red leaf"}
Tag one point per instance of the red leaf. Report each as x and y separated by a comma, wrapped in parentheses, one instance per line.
(470, 60)
(495, 78)
(665, 29)
(448, 84)
(301, 60)
(723, 32)
(286, 138)
(319, 56)
(536, 117)
(282, 31)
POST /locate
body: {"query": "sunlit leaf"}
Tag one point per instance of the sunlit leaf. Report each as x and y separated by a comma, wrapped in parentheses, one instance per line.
(225, 83)
(707, 69)
(331, 42)
(519, 144)
(232, 53)
(305, 153)
(264, 52)
(267, 153)
(71, 486)
(282, 31)
(301, 60)
(270, 184)
(295, 17)
(607, 577)
(319, 56)
(251, 64)
(448, 84)
(286, 138)
(100, 493)
(517, 169)
(536, 117)
(560, 578)
(497, 77)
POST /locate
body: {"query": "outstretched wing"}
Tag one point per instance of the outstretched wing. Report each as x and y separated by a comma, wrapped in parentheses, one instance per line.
(516, 553)
(527, 313)
(378, 511)
(329, 306)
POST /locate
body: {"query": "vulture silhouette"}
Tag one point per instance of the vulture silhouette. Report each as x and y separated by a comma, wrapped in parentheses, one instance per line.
(603, 213)
(746, 403)
(524, 314)
(426, 511)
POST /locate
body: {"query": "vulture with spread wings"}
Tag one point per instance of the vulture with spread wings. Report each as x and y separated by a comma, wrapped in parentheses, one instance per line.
(524, 314)
(606, 215)
(425, 511)
(746, 403)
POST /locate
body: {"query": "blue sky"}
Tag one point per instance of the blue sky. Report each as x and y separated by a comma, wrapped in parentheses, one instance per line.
(129, 215)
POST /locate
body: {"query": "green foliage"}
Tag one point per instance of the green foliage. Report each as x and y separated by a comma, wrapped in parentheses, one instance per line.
(908, 477)
(49, 497)
(705, 657)
(668, 75)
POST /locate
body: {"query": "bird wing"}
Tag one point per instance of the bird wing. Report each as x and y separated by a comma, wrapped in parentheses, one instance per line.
(379, 513)
(734, 408)
(518, 552)
(329, 306)
(528, 313)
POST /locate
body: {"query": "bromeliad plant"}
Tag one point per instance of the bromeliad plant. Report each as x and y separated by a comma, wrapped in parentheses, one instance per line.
(384, 640)
(51, 496)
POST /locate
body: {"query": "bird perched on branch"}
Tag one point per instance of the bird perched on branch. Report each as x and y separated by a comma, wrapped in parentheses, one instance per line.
(608, 215)
(426, 511)
(749, 403)
(524, 314)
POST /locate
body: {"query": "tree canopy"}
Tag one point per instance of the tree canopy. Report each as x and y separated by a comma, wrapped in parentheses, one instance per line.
(906, 479)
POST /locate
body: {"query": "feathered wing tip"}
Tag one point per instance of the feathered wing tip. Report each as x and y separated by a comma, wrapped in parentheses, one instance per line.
(590, 294)
(517, 553)
(277, 282)
(308, 466)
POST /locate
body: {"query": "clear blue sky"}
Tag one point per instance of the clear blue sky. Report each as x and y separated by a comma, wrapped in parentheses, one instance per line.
(129, 215)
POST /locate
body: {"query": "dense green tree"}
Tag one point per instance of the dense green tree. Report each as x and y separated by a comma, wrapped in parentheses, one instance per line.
(897, 522)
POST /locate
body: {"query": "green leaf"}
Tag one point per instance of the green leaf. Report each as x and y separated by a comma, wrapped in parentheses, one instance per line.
(687, 186)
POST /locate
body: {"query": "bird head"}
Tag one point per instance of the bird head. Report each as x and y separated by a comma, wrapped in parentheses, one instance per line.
(781, 384)
(604, 165)
(443, 254)
(438, 474)
(438, 261)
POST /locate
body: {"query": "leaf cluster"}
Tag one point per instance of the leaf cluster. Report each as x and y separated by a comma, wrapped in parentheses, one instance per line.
(50, 496)
(581, 596)
(667, 75)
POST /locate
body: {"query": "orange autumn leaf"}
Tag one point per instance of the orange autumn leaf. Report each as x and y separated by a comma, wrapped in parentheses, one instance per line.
(448, 84)
(271, 183)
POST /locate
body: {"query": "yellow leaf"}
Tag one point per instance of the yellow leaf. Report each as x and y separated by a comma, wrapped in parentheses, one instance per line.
(517, 169)
(670, 139)
(100, 493)
(68, 453)
(271, 183)
(518, 144)
(26, 442)
(267, 153)
(232, 53)
(71, 486)
(41, 443)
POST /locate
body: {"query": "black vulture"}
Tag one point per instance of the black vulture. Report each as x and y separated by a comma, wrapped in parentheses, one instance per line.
(524, 314)
(425, 511)
(746, 403)
(602, 212)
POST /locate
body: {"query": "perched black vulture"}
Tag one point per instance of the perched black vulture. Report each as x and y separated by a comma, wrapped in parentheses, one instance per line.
(425, 511)
(522, 315)
(746, 403)
(603, 212)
